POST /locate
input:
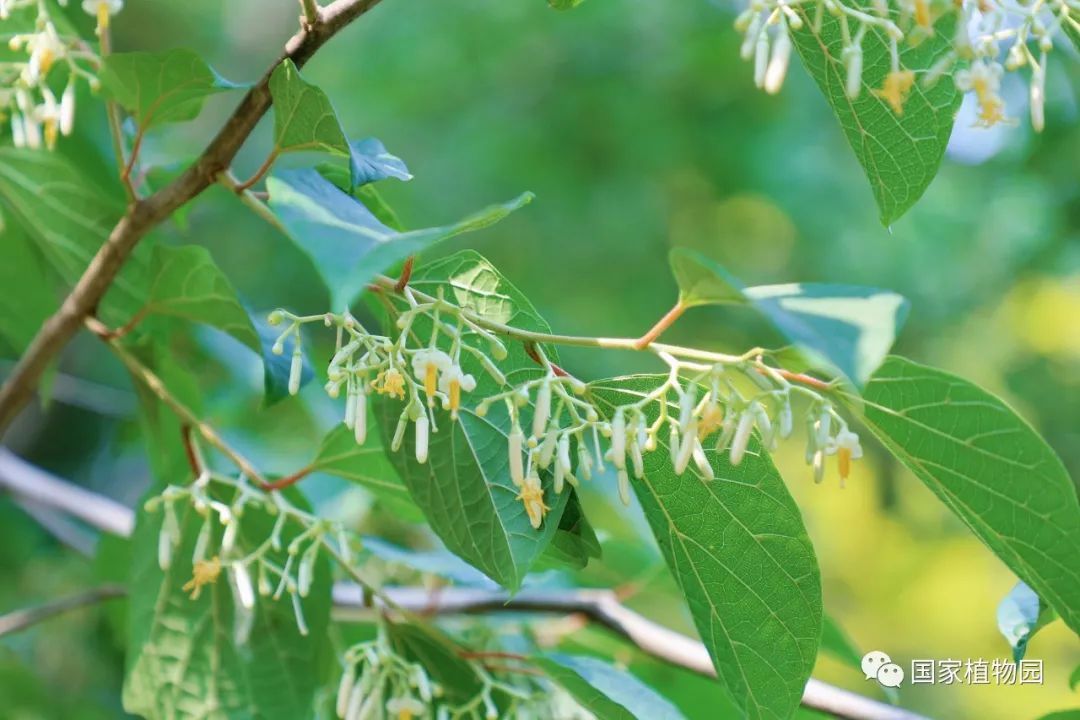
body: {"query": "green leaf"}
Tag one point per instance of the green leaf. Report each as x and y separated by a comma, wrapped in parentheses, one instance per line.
(845, 328)
(183, 656)
(26, 299)
(439, 657)
(464, 489)
(345, 241)
(604, 690)
(163, 87)
(371, 162)
(189, 285)
(69, 219)
(365, 465)
(1074, 678)
(1062, 715)
(575, 542)
(899, 153)
(367, 194)
(837, 643)
(989, 467)
(304, 119)
(738, 549)
(1020, 615)
(564, 4)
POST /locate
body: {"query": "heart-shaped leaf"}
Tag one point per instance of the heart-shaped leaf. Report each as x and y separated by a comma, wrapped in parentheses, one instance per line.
(465, 489)
(163, 87)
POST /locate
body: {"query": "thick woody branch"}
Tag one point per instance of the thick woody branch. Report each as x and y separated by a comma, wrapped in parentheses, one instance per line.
(144, 214)
(601, 607)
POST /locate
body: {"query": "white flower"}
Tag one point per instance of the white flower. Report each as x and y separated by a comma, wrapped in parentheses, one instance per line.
(742, 437)
(618, 439)
(532, 497)
(427, 364)
(452, 381)
(517, 469)
(847, 449)
(405, 708)
(102, 10)
(422, 439)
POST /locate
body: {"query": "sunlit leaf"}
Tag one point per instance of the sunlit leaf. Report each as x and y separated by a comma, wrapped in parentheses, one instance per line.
(371, 162)
(575, 542)
(604, 690)
(989, 467)
(465, 488)
(304, 119)
(844, 327)
(740, 553)
(899, 153)
(163, 87)
(347, 243)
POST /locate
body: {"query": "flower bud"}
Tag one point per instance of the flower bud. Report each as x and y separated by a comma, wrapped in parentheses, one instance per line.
(422, 439)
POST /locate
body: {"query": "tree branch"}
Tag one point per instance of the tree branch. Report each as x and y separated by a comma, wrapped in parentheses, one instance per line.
(24, 618)
(601, 607)
(144, 214)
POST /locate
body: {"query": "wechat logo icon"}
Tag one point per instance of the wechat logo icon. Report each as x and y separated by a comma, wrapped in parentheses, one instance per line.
(876, 665)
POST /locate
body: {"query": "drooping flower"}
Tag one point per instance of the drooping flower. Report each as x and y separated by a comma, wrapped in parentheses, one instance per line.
(405, 707)
(102, 10)
(847, 449)
(427, 364)
(452, 381)
(205, 572)
(532, 497)
(390, 382)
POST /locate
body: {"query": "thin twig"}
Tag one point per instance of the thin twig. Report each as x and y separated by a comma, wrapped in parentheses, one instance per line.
(602, 607)
(21, 619)
(154, 383)
(146, 213)
(262, 170)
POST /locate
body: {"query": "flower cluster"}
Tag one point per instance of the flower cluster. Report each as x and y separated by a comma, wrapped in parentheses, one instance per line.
(29, 87)
(557, 429)
(990, 38)
(377, 683)
(251, 571)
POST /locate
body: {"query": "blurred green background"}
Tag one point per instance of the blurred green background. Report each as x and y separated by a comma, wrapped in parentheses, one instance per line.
(638, 128)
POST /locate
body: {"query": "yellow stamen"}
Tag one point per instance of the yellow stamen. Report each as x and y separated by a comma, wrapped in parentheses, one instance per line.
(50, 133)
(532, 497)
(205, 572)
(455, 394)
(896, 88)
(45, 60)
(712, 418)
(103, 15)
(922, 13)
(843, 460)
(390, 382)
(431, 376)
